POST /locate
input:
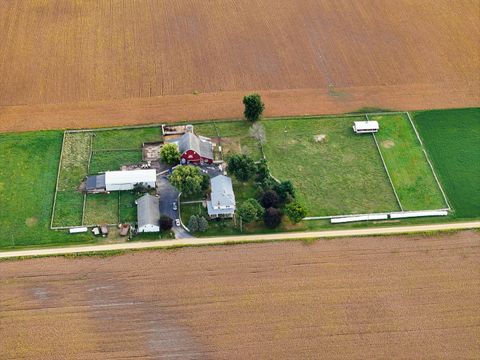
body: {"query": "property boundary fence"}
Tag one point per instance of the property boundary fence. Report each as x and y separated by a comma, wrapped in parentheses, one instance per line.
(429, 162)
(56, 184)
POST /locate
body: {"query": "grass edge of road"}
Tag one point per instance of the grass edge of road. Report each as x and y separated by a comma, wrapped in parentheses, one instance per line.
(305, 241)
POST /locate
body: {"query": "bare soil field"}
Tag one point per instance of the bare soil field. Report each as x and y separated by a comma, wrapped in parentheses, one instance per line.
(381, 297)
(92, 63)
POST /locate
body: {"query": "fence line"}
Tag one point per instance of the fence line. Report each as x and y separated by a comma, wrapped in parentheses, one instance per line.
(429, 162)
(388, 174)
(56, 185)
(327, 217)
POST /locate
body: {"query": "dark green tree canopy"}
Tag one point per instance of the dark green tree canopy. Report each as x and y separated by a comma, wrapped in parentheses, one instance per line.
(285, 190)
(193, 223)
(253, 107)
(242, 166)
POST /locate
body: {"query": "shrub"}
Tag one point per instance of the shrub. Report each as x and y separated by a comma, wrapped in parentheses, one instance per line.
(272, 218)
(202, 224)
(193, 223)
(269, 199)
(250, 210)
(295, 212)
(166, 222)
(253, 107)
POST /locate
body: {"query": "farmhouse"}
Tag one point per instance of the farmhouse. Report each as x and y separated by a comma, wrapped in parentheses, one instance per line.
(222, 197)
(194, 149)
(365, 127)
(148, 214)
(120, 180)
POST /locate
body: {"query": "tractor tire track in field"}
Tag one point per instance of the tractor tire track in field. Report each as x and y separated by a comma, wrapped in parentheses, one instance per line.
(372, 297)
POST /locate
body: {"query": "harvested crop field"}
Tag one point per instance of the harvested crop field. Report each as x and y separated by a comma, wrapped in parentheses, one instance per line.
(381, 297)
(73, 64)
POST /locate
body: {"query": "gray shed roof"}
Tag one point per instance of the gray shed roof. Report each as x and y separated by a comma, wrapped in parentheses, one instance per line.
(222, 191)
(148, 210)
(190, 141)
(95, 182)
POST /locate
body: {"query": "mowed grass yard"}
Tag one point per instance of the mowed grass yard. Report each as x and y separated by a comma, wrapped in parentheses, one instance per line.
(407, 165)
(27, 185)
(452, 140)
(343, 174)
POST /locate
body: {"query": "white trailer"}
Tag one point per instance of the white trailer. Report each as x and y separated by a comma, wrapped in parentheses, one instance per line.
(365, 127)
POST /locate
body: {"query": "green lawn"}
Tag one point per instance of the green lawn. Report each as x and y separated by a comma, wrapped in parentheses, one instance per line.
(411, 175)
(235, 137)
(452, 140)
(113, 160)
(27, 185)
(128, 209)
(126, 138)
(101, 209)
(343, 174)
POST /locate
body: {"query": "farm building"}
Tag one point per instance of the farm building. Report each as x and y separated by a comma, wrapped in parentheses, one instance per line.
(193, 148)
(120, 180)
(126, 180)
(222, 197)
(148, 214)
(365, 127)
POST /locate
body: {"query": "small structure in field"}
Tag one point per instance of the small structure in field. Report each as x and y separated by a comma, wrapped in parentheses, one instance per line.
(95, 184)
(148, 213)
(222, 198)
(365, 127)
(319, 138)
(194, 149)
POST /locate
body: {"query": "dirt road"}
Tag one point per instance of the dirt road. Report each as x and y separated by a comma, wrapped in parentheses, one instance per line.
(409, 297)
(243, 238)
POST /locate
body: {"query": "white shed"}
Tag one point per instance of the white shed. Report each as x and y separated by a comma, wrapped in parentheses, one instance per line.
(126, 180)
(365, 127)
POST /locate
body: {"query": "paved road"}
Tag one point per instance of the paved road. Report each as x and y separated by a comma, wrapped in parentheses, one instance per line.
(244, 238)
(168, 195)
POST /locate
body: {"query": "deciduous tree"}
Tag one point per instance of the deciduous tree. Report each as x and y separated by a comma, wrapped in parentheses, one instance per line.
(242, 166)
(295, 211)
(272, 218)
(187, 179)
(250, 210)
(170, 154)
(253, 107)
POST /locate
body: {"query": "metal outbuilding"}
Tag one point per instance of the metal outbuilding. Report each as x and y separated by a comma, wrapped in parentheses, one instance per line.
(148, 214)
(126, 180)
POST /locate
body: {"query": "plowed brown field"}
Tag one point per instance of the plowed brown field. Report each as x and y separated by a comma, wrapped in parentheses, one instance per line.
(410, 297)
(85, 58)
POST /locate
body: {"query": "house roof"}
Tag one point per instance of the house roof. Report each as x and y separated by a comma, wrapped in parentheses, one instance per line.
(148, 210)
(222, 191)
(366, 125)
(212, 211)
(130, 176)
(95, 182)
(190, 141)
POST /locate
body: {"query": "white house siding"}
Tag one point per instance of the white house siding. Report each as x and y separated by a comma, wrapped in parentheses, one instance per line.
(149, 228)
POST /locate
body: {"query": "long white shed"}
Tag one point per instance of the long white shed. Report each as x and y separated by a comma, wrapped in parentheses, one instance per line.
(126, 180)
(365, 127)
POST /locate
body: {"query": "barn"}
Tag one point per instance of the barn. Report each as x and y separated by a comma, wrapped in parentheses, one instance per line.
(148, 214)
(194, 149)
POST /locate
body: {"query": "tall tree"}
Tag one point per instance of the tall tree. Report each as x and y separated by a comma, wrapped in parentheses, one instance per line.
(253, 107)
(187, 179)
(272, 218)
(285, 190)
(242, 166)
(269, 199)
(193, 223)
(166, 222)
(202, 224)
(169, 154)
